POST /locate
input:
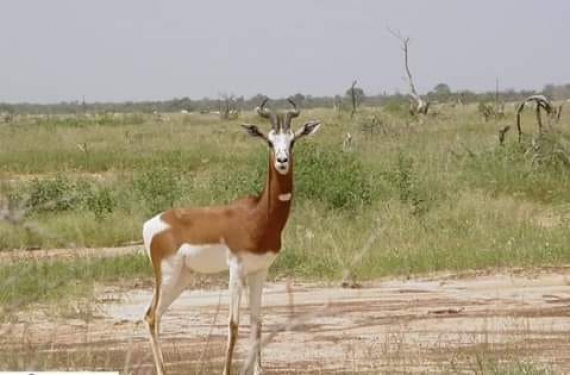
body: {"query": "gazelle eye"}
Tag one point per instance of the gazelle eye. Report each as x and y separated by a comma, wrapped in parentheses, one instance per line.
(270, 143)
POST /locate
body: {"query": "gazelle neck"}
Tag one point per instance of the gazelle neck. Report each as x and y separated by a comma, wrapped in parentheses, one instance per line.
(275, 200)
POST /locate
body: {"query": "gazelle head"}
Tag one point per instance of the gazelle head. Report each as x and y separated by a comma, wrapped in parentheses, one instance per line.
(281, 138)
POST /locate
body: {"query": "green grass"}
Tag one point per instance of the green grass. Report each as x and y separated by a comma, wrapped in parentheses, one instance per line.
(482, 365)
(29, 282)
(441, 192)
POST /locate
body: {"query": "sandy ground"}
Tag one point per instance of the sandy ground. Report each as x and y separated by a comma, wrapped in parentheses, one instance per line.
(392, 326)
(7, 256)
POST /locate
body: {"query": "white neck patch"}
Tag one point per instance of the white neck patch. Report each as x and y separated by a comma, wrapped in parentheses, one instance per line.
(284, 197)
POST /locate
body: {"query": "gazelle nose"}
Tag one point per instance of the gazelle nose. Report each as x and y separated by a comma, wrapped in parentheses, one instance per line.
(282, 159)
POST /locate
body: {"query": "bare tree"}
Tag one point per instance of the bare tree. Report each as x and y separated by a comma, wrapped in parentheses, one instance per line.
(542, 103)
(353, 98)
(499, 106)
(228, 107)
(419, 105)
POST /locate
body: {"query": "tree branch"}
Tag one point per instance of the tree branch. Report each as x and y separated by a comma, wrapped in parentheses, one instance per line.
(421, 105)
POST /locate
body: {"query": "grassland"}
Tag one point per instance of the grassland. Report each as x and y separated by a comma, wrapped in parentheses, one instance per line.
(441, 193)
(432, 194)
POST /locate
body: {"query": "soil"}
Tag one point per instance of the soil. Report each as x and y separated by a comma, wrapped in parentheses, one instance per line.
(424, 325)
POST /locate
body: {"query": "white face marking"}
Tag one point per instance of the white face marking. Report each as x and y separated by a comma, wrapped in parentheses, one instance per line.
(284, 197)
(281, 142)
(151, 228)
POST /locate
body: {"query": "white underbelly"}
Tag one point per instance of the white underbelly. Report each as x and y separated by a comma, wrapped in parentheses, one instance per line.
(216, 258)
(205, 258)
(253, 263)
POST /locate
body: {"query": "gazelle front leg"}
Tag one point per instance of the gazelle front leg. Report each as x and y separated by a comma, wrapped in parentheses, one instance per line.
(255, 283)
(235, 288)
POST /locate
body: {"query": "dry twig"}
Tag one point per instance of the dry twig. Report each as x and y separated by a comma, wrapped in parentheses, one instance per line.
(421, 106)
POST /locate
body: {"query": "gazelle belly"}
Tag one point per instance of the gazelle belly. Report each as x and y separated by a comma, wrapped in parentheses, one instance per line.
(205, 258)
(215, 258)
(253, 263)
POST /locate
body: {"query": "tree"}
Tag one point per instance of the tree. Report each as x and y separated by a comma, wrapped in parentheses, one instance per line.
(358, 92)
(420, 106)
(299, 98)
(442, 89)
(441, 92)
(356, 95)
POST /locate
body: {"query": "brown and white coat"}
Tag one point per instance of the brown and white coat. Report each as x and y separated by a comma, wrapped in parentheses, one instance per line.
(243, 236)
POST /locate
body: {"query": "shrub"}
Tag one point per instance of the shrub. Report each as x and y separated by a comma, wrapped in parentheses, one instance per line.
(101, 202)
(238, 179)
(538, 170)
(399, 108)
(158, 188)
(408, 187)
(52, 194)
(335, 178)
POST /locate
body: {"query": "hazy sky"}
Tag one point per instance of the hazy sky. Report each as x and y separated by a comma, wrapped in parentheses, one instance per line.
(110, 50)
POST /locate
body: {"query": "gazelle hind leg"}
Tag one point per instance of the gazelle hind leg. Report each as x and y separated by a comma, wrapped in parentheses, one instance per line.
(152, 321)
(255, 283)
(171, 282)
(235, 289)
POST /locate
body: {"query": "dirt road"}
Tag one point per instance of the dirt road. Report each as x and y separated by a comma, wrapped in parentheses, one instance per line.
(394, 326)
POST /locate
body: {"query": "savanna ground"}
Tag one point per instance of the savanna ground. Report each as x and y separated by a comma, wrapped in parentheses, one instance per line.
(407, 201)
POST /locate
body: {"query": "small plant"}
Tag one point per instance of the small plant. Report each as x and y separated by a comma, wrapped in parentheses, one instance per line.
(398, 108)
(158, 187)
(52, 195)
(548, 150)
(372, 126)
(101, 202)
(337, 179)
(489, 111)
(232, 182)
(406, 183)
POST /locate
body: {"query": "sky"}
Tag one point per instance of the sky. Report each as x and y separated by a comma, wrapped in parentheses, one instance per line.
(119, 50)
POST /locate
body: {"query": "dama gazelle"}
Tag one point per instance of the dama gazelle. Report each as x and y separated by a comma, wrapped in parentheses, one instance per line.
(243, 236)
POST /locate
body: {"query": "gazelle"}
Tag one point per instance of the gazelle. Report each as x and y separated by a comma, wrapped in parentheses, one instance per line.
(243, 236)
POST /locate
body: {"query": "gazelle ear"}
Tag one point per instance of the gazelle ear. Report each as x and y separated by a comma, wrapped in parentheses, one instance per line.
(308, 129)
(253, 131)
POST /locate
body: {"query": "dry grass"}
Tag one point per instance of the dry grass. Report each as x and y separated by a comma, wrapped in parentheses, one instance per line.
(413, 199)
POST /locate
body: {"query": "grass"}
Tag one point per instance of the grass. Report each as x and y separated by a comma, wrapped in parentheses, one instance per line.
(442, 192)
(28, 282)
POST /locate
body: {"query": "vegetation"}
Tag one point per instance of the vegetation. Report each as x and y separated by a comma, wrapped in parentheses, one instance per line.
(439, 191)
(27, 282)
(443, 192)
(440, 93)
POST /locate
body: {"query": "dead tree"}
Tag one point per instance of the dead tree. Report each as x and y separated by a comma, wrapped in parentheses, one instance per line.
(228, 107)
(8, 117)
(499, 106)
(542, 104)
(353, 98)
(419, 106)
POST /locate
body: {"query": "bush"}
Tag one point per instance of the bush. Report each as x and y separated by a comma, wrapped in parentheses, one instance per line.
(337, 179)
(399, 108)
(538, 170)
(101, 202)
(52, 195)
(239, 179)
(158, 188)
(410, 189)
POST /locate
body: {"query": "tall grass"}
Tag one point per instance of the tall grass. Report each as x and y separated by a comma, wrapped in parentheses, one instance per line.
(441, 191)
